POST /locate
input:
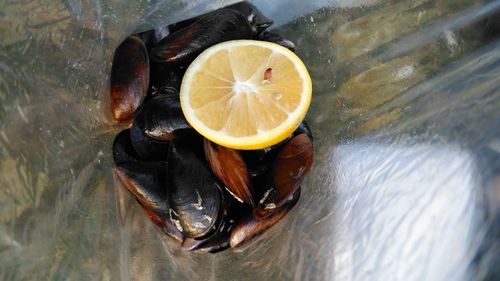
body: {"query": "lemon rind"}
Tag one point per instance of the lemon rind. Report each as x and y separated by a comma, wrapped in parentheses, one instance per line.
(260, 140)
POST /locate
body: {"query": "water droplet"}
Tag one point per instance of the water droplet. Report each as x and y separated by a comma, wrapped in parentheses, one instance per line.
(276, 96)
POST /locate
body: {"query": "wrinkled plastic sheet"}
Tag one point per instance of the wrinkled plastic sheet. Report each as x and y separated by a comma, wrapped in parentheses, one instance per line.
(406, 119)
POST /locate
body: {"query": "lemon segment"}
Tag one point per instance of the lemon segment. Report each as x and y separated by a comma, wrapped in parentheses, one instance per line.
(246, 94)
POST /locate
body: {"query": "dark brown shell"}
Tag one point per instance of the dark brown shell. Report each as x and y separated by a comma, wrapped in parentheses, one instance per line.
(228, 165)
(129, 78)
(291, 166)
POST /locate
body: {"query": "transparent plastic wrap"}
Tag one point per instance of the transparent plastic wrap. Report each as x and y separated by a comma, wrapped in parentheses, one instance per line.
(406, 122)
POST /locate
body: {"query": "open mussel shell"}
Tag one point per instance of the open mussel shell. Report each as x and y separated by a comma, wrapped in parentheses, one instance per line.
(251, 226)
(228, 165)
(278, 39)
(292, 164)
(129, 78)
(216, 27)
(195, 195)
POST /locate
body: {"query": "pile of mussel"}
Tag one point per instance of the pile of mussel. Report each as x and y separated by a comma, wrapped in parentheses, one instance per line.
(205, 196)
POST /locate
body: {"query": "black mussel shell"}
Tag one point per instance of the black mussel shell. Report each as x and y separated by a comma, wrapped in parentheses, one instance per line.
(217, 241)
(123, 151)
(165, 79)
(164, 221)
(146, 147)
(278, 39)
(129, 78)
(185, 44)
(156, 125)
(228, 165)
(161, 116)
(146, 180)
(165, 89)
(252, 226)
(290, 167)
(195, 195)
(254, 17)
(234, 210)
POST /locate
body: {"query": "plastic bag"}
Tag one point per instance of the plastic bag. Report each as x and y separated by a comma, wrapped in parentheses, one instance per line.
(406, 120)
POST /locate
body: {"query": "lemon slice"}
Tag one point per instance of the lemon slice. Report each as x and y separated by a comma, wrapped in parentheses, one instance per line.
(246, 94)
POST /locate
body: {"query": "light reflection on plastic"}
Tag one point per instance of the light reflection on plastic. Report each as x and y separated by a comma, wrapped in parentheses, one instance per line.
(403, 213)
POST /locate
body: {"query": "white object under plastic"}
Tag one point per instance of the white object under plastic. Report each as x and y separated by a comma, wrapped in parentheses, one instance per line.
(403, 212)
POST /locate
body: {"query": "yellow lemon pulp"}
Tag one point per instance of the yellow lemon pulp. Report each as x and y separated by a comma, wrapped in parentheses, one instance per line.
(246, 94)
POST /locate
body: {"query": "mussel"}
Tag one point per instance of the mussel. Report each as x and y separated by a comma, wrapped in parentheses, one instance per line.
(146, 181)
(155, 124)
(165, 79)
(161, 116)
(290, 167)
(129, 78)
(216, 27)
(195, 195)
(254, 17)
